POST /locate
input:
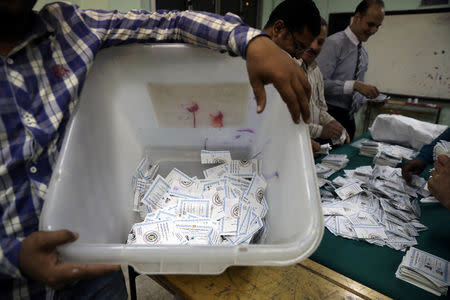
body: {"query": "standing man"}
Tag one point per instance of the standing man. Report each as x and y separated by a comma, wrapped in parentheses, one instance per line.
(44, 59)
(344, 62)
(322, 125)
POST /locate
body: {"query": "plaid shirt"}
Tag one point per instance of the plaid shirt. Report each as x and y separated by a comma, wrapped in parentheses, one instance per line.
(40, 81)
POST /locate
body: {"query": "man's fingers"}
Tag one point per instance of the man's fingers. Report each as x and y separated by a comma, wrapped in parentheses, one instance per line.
(260, 94)
(65, 273)
(408, 178)
(376, 92)
(289, 96)
(406, 173)
(443, 160)
(431, 183)
(51, 239)
(438, 166)
(87, 271)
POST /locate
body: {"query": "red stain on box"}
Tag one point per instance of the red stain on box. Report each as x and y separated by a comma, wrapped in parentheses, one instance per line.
(193, 109)
(217, 120)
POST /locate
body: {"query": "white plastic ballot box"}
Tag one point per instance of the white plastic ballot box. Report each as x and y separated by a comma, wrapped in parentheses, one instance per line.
(177, 100)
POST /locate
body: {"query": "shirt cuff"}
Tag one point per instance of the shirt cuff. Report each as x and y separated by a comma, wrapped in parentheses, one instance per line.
(315, 130)
(240, 37)
(348, 87)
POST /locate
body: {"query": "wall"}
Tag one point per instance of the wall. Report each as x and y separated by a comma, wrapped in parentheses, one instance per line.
(334, 6)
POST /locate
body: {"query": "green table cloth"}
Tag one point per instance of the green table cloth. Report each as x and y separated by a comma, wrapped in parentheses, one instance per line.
(375, 266)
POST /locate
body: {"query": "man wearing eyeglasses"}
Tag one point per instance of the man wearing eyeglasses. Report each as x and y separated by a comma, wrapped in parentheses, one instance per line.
(344, 61)
(293, 25)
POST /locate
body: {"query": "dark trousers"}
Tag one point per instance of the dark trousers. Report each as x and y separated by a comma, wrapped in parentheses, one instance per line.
(342, 116)
(107, 287)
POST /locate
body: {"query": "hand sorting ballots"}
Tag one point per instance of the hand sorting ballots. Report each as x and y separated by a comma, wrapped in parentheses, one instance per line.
(439, 182)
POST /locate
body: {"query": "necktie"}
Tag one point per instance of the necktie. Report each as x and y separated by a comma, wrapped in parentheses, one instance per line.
(357, 99)
(358, 67)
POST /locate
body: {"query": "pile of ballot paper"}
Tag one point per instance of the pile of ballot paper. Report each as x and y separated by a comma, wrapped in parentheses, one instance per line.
(369, 148)
(330, 164)
(335, 161)
(391, 155)
(425, 271)
(225, 208)
(384, 154)
(441, 148)
(374, 204)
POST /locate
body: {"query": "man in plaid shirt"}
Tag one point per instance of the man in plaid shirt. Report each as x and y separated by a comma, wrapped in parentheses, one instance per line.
(44, 59)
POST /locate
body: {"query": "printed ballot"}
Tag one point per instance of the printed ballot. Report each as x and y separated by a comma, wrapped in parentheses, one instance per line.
(424, 270)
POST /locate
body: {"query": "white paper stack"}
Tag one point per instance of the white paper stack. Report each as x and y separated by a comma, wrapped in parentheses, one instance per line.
(387, 157)
(369, 148)
(335, 161)
(424, 270)
(391, 155)
(441, 148)
(226, 208)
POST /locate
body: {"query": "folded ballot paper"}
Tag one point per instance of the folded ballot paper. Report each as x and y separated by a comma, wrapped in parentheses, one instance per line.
(341, 139)
(335, 161)
(324, 149)
(226, 208)
(392, 155)
(369, 148)
(372, 204)
(441, 148)
(424, 270)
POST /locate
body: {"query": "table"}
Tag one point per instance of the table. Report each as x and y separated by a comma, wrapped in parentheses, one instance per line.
(375, 266)
(306, 280)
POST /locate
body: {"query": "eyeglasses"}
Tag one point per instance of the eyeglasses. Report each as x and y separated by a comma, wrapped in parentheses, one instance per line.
(299, 47)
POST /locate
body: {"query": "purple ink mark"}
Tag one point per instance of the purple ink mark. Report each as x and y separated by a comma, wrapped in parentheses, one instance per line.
(237, 136)
(204, 143)
(249, 130)
(217, 120)
(193, 109)
(440, 78)
(271, 176)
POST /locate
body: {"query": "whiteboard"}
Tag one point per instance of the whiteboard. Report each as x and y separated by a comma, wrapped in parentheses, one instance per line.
(410, 55)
